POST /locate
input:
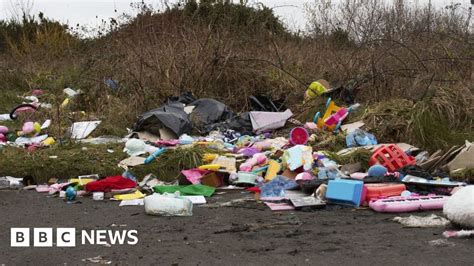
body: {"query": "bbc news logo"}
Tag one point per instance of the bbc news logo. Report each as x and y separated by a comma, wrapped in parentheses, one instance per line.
(66, 237)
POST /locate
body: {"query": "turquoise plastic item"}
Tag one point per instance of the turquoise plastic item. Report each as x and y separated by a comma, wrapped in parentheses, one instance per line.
(345, 192)
(154, 155)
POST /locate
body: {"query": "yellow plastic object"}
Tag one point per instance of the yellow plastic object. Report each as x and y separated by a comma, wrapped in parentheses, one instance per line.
(49, 141)
(332, 109)
(65, 103)
(82, 181)
(210, 167)
(273, 168)
(135, 195)
(209, 157)
(317, 88)
(37, 127)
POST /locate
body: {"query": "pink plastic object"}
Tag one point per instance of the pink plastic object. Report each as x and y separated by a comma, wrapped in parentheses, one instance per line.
(37, 92)
(359, 176)
(258, 158)
(194, 175)
(28, 128)
(392, 157)
(377, 191)
(262, 145)
(25, 109)
(3, 138)
(303, 176)
(3, 130)
(245, 167)
(311, 125)
(299, 136)
(402, 204)
(261, 158)
(42, 188)
(337, 117)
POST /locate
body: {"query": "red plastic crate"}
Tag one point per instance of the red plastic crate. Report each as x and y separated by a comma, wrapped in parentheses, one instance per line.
(392, 157)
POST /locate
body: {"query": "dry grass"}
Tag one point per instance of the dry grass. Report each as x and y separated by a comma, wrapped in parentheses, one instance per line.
(444, 119)
(394, 56)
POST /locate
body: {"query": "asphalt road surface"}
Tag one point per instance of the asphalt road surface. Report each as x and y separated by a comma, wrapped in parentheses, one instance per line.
(246, 233)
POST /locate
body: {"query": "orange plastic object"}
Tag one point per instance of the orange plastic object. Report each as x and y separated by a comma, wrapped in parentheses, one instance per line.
(392, 157)
(332, 109)
(375, 191)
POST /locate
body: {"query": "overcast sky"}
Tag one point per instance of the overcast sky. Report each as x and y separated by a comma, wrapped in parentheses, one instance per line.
(92, 12)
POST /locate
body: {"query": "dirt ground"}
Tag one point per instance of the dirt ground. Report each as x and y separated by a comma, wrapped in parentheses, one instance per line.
(247, 233)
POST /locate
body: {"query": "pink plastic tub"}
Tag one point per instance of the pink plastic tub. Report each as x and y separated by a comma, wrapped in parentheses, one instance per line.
(299, 136)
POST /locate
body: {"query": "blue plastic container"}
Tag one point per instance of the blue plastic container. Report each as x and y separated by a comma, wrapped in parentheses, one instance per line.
(345, 192)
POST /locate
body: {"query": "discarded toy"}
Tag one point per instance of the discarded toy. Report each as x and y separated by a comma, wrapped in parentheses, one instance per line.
(401, 204)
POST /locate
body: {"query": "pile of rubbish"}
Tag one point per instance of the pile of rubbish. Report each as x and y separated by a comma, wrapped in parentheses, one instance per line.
(245, 153)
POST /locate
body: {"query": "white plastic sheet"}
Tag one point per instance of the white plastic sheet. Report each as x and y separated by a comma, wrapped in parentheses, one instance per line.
(263, 121)
(81, 130)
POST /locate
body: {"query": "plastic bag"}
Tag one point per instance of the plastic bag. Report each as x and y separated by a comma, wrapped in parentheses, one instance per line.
(360, 138)
(168, 205)
(277, 187)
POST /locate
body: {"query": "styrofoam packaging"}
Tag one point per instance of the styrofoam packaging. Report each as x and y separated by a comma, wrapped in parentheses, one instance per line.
(98, 196)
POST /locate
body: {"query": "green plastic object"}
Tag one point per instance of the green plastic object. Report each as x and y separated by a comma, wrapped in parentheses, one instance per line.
(185, 190)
